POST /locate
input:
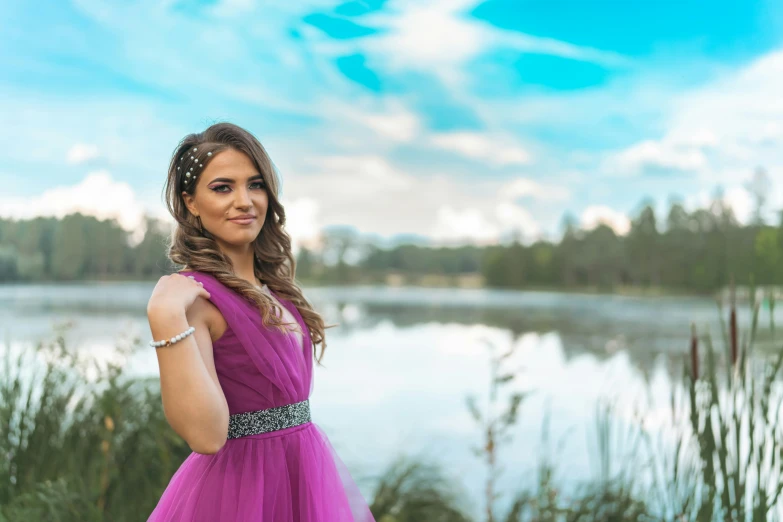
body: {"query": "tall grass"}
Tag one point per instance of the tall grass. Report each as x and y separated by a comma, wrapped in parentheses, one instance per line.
(99, 449)
(718, 458)
(611, 494)
(414, 491)
(732, 437)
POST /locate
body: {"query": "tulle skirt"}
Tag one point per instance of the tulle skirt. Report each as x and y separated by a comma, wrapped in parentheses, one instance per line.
(290, 475)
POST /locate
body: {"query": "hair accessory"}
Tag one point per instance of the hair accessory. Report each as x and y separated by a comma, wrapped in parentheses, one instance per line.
(191, 171)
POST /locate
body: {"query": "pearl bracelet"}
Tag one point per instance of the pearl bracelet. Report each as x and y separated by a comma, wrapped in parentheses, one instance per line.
(169, 342)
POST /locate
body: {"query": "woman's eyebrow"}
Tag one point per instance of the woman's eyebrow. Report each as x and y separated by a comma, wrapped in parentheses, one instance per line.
(230, 180)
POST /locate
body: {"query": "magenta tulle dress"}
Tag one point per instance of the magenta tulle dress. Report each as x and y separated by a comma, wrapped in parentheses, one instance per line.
(289, 475)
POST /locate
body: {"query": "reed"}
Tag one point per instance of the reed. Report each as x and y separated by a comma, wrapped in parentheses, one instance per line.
(727, 459)
(495, 420)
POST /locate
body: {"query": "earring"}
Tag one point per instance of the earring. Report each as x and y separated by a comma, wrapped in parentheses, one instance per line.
(201, 226)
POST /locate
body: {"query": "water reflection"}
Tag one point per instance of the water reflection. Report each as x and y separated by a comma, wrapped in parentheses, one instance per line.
(401, 362)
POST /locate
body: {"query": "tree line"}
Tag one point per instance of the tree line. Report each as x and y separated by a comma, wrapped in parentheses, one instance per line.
(695, 251)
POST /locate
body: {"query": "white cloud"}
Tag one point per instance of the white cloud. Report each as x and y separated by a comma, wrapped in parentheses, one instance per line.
(440, 36)
(651, 155)
(302, 223)
(736, 197)
(741, 202)
(744, 105)
(596, 215)
(525, 187)
(379, 197)
(96, 195)
(388, 118)
(401, 126)
(82, 153)
(466, 225)
(714, 131)
(371, 191)
(495, 150)
(390, 122)
(422, 36)
(514, 217)
(361, 170)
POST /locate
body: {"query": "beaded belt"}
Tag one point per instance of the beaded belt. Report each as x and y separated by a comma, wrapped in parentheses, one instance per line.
(271, 419)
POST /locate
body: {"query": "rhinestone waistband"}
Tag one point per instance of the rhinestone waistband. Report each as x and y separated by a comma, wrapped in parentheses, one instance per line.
(271, 419)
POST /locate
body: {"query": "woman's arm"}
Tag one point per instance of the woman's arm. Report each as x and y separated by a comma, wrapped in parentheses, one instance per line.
(193, 401)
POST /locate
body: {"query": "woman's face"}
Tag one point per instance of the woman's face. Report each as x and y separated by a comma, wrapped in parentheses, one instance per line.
(229, 186)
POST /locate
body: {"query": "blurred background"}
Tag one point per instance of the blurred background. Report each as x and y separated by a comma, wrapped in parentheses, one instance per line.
(550, 232)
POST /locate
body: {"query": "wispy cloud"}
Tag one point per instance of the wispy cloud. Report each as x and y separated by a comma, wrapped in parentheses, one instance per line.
(717, 134)
(595, 215)
(494, 150)
(391, 128)
(440, 36)
(82, 153)
(665, 157)
(526, 187)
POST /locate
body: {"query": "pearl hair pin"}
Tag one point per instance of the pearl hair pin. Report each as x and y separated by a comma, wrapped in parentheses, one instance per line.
(190, 175)
(176, 338)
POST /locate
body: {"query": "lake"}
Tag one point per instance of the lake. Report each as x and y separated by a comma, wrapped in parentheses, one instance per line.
(401, 363)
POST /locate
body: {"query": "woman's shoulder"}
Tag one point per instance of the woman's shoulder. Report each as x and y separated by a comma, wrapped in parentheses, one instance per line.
(205, 307)
(199, 276)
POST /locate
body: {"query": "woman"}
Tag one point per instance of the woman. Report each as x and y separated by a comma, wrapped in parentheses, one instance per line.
(235, 341)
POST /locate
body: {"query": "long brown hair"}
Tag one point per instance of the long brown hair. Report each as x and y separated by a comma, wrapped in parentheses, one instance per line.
(273, 261)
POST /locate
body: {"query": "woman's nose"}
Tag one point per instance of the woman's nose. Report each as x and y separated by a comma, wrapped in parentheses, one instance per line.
(242, 198)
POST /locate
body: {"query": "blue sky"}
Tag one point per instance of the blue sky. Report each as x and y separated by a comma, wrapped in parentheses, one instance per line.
(453, 120)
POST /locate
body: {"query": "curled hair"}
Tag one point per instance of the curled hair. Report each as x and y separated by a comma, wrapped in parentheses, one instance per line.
(273, 261)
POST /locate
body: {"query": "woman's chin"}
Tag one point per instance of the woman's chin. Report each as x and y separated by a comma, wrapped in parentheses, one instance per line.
(237, 239)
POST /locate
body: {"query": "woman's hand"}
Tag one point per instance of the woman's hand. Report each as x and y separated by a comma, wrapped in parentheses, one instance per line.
(175, 293)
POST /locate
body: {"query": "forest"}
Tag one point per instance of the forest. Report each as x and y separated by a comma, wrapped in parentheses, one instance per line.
(681, 252)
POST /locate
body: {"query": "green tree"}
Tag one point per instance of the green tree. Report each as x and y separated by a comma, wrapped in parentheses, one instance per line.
(70, 249)
(769, 256)
(149, 256)
(644, 248)
(9, 263)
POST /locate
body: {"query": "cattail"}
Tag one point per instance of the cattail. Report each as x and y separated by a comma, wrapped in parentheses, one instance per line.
(694, 353)
(733, 323)
(109, 423)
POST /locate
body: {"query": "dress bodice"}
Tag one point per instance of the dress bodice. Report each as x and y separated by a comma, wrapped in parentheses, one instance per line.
(258, 367)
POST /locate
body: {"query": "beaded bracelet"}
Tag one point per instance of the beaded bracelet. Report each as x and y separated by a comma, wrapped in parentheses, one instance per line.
(169, 342)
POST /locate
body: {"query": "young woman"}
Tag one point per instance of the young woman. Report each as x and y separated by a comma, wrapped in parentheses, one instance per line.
(235, 340)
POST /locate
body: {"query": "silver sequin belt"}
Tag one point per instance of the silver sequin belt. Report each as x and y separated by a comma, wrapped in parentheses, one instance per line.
(271, 419)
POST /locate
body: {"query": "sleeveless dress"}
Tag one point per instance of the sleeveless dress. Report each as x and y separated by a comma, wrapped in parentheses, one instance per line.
(288, 475)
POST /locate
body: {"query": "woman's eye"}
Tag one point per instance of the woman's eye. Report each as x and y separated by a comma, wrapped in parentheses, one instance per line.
(217, 189)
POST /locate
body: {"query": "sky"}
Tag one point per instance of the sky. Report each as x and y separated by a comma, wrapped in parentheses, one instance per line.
(450, 121)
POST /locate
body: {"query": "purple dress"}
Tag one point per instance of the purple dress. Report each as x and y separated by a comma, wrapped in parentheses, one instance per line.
(288, 475)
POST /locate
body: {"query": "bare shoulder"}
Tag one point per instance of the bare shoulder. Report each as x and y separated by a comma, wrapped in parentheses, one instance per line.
(203, 312)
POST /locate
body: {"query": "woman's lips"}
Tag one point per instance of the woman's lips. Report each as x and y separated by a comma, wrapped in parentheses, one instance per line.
(245, 221)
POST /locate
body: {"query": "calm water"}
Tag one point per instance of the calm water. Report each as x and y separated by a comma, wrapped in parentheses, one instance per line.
(402, 361)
